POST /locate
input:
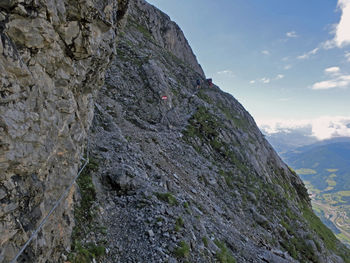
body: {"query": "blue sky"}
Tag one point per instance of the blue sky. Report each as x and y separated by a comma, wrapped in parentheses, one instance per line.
(285, 61)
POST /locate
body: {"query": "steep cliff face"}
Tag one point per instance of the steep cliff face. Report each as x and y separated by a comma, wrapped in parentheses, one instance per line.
(164, 32)
(53, 56)
(184, 174)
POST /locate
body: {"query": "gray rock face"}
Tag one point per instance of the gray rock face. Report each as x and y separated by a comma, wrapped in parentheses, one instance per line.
(185, 174)
(164, 32)
(53, 56)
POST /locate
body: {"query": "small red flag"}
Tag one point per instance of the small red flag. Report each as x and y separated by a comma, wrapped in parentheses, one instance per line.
(164, 97)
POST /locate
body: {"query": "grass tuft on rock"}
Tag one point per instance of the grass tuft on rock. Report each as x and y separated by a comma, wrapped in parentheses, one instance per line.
(224, 255)
(183, 250)
(83, 213)
(167, 197)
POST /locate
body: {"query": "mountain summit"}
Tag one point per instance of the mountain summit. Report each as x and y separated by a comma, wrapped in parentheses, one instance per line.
(176, 173)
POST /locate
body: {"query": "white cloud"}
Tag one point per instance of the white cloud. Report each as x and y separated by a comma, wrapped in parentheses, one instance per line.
(291, 34)
(340, 81)
(332, 70)
(265, 52)
(286, 67)
(309, 54)
(226, 72)
(324, 127)
(341, 30)
(337, 80)
(265, 80)
(342, 35)
(279, 76)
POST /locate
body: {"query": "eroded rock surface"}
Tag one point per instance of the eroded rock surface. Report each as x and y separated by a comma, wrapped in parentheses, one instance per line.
(53, 56)
(190, 178)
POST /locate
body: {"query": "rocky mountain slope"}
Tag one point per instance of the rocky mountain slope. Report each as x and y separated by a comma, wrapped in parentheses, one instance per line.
(190, 178)
(176, 173)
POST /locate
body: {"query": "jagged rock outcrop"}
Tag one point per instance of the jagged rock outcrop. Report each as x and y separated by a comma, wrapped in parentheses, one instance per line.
(188, 177)
(164, 32)
(53, 56)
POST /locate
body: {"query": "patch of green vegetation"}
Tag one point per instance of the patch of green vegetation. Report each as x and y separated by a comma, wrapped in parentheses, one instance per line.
(102, 230)
(179, 224)
(293, 189)
(325, 234)
(167, 197)
(224, 255)
(290, 214)
(121, 54)
(290, 248)
(205, 241)
(228, 178)
(239, 122)
(84, 213)
(204, 97)
(183, 250)
(289, 229)
(86, 253)
(305, 171)
(125, 55)
(146, 33)
(236, 161)
(171, 58)
(205, 126)
(128, 42)
(291, 170)
(175, 92)
(186, 205)
(297, 246)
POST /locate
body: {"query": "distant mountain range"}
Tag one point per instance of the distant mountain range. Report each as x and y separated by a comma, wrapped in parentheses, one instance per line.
(316, 162)
(290, 139)
(324, 167)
